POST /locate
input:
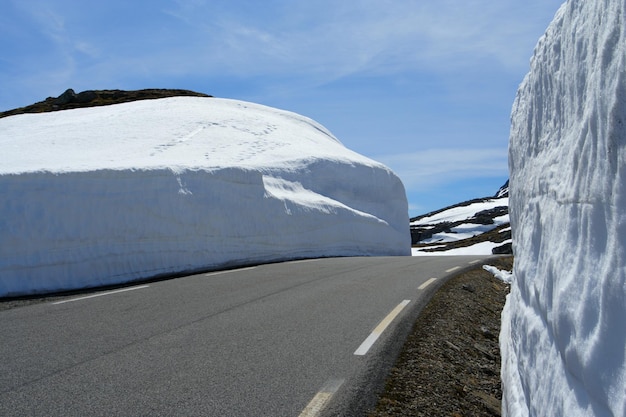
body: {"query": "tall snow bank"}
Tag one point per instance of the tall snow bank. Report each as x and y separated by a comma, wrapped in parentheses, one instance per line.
(113, 194)
(564, 337)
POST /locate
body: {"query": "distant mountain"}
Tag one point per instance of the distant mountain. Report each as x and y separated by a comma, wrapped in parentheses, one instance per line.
(503, 191)
(478, 225)
(92, 98)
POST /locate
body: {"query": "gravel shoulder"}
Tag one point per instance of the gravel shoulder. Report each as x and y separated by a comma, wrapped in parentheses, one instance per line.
(450, 363)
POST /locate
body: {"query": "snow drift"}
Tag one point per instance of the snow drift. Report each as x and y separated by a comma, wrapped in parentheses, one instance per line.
(563, 338)
(112, 194)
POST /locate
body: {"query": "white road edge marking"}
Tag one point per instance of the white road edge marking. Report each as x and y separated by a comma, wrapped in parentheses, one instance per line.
(371, 339)
(101, 294)
(475, 262)
(427, 283)
(317, 404)
(301, 261)
(210, 274)
(453, 269)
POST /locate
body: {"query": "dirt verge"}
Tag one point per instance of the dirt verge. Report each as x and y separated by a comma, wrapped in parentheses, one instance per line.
(450, 363)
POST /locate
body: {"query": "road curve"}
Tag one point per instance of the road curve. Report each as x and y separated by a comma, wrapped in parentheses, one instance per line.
(305, 338)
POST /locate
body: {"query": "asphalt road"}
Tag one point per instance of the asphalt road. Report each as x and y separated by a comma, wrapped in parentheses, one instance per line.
(295, 339)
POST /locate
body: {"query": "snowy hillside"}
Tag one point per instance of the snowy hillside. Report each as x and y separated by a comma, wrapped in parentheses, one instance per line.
(476, 227)
(563, 335)
(111, 194)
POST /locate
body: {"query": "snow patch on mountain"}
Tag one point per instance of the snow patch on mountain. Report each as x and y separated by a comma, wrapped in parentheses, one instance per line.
(462, 213)
(476, 227)
(563, 335)
(106, 195)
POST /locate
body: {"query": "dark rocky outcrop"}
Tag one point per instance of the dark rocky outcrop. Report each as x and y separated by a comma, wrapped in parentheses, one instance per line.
(484, 217)
(503, 191)
(500, 234)
(91, 98)
(487, 216)
(506, 249)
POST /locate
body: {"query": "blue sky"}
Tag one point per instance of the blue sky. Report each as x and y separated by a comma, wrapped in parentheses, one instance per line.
(424, 86)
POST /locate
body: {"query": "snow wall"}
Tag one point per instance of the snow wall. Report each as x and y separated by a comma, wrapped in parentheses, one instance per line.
(113, 194)
(563, 338)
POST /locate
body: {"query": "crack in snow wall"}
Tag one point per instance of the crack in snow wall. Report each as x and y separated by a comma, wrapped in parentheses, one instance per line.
(563, 335)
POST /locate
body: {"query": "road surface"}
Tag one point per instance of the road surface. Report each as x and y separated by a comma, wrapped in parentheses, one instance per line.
(305, 338)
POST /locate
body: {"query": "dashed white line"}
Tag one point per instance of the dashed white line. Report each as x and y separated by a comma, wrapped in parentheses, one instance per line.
(427, 283)
(101, 294)
(371, 339)
(475, 262)
(453, 269)
(229, 271)
(317, 404)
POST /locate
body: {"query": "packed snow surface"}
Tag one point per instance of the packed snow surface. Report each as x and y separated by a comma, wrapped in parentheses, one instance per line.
(563, 334)
(112, 194)
(504, 276)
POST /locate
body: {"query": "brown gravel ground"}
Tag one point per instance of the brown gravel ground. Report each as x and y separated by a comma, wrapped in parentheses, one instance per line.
(450, 364)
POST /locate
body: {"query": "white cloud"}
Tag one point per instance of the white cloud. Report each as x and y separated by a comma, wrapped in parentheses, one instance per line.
(431, 168)
(336, 39)
(311, 43)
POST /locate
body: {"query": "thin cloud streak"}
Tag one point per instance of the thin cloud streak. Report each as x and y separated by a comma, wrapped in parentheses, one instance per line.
(315, 43)
(376, 37)
(429, 169)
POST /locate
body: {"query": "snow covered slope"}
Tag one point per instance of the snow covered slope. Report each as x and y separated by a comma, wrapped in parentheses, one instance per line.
(476, 227)
(112, 194)
(564, 336)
